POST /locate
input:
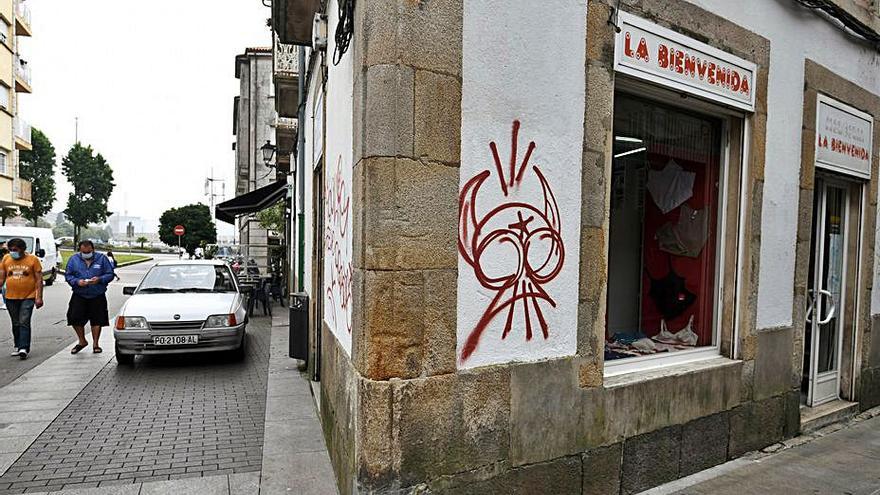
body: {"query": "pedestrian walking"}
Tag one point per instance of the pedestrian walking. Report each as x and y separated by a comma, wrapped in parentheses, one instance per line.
(22, 275)
(113, 260)
(88, 274)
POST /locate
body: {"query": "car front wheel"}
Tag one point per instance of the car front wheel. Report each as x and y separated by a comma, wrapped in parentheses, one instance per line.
(124, 359)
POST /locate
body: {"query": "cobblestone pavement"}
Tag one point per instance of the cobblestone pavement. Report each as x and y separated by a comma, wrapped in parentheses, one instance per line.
(165, 418)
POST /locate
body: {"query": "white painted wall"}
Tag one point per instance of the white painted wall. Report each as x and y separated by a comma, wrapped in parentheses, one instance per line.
(338, 165)
(795, 34)
(308, 206)
(512, 71)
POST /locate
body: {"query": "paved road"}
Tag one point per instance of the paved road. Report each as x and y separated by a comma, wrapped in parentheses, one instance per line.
(50, 330)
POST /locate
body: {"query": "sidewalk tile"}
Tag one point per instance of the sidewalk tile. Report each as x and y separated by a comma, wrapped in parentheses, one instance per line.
(213, 485)
(15, 445)
(244, 483)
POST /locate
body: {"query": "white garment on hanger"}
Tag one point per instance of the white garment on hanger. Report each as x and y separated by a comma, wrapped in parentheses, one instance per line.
(688, 236)
(671, 186)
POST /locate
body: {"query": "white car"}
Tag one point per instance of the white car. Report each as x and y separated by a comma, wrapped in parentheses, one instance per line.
(180, 307)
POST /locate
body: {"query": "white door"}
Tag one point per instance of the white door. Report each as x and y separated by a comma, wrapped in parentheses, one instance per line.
(826, 291)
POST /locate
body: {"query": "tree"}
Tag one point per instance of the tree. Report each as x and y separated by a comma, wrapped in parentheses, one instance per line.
(198, 222)
(272, 218)
(38, 166)
(142, 240)
(62, 227)
(92, 181)
(7, 213)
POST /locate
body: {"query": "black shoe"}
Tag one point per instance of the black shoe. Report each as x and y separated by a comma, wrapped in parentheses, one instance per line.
(22, 354)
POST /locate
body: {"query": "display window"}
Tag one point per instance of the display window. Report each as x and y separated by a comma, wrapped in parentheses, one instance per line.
(666, 202)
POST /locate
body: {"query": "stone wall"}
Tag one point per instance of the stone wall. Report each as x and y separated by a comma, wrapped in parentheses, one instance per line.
(399, 416)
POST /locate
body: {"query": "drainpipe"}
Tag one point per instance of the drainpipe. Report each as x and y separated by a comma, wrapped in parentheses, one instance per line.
(300, 171)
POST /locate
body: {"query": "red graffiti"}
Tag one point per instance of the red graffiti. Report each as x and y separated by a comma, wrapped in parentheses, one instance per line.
(338, 205)
(515, 248)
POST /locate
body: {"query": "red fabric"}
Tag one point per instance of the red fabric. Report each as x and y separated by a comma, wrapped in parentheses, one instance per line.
(699, 273)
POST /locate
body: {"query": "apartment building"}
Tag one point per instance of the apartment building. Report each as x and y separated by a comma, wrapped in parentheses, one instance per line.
(253, 125)
(588, 246)
(15, 80)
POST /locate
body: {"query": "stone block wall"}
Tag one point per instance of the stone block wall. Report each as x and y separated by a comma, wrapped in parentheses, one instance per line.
(398, 415)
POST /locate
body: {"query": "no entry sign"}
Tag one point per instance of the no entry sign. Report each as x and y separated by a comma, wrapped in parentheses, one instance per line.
(179, 230)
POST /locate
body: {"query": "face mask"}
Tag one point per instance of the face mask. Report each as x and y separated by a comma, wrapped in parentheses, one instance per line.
(87, 256)
(15, 255)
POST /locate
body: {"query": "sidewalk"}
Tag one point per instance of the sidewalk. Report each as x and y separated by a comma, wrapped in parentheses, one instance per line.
(842, 458)
(294, 457)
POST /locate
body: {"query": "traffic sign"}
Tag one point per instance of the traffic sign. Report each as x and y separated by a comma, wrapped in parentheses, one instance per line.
(179, 230)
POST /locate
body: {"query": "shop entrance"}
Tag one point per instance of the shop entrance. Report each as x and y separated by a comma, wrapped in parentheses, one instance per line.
(830, 321)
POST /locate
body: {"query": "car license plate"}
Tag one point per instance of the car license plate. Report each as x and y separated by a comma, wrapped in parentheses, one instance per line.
(175, 339)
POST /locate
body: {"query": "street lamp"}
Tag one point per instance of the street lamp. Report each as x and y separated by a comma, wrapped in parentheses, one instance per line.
(268, 150)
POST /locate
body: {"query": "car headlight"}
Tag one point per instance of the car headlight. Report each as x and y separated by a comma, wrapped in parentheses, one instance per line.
(220, 321)
(131, 323)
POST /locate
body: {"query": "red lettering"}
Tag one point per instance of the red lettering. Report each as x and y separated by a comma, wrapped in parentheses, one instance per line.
(711, 78)
(642, 50)
(662, 56)
(679, 58)
(744, 87)
(735, 81)
(690, 66)
(719, 76)
(701, 68)
(627, 50)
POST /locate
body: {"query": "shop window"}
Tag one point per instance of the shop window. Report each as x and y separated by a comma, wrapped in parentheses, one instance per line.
(663, 241)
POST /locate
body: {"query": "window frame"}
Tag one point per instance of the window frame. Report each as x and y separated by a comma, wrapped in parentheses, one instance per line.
(732, 121)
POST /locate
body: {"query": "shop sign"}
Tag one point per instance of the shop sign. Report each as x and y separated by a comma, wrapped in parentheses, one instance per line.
(843, 138)
(656, 54)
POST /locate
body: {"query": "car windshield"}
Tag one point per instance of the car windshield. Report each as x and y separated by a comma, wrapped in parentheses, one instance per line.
(188, 278)
(28, 241)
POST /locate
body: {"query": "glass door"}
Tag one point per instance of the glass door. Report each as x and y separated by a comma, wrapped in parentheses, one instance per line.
(824, 319)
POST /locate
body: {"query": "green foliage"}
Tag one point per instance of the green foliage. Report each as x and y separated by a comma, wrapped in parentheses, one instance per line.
(62, 227)
(92, 181)
(272, 218)
(142, 240)
(38, 166)
(197, 220)
(7, 213)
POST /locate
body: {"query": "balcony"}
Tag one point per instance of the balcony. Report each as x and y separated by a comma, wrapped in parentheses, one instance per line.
(22, 134)
(23, 192)
(22, 75)
(286, 77)
(22, 19)
(285, 138)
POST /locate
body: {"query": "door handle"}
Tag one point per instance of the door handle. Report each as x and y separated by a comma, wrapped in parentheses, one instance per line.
(832, 310)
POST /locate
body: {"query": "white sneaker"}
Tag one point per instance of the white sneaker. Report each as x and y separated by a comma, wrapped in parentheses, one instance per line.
(22, 354)
(14, 351)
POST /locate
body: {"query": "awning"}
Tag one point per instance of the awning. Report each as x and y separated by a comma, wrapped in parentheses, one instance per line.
(252, 202)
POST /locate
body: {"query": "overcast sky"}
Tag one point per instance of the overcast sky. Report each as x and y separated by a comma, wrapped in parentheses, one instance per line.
(152, 84)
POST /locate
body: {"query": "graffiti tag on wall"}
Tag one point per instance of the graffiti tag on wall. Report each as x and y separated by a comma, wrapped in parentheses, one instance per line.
(337, 245)
(514, 245)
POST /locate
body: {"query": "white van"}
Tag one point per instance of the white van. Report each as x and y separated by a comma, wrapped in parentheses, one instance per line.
(40, 242)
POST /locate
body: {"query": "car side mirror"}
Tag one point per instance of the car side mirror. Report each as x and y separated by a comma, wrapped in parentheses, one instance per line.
(41, 253)
(128, 291)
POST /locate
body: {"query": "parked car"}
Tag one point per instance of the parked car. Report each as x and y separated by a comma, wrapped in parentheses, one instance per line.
(182, 306)
(41, 243)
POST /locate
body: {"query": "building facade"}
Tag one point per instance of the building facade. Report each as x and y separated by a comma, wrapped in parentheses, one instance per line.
(254, 119)
(15, 79)
(586, 251)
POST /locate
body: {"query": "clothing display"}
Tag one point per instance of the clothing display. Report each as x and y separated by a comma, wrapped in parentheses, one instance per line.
(670, 294)
(685, 336)
(687, 236)
(671, 186)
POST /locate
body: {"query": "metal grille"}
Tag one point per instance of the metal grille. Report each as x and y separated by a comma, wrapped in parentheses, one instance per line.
(176, 325)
